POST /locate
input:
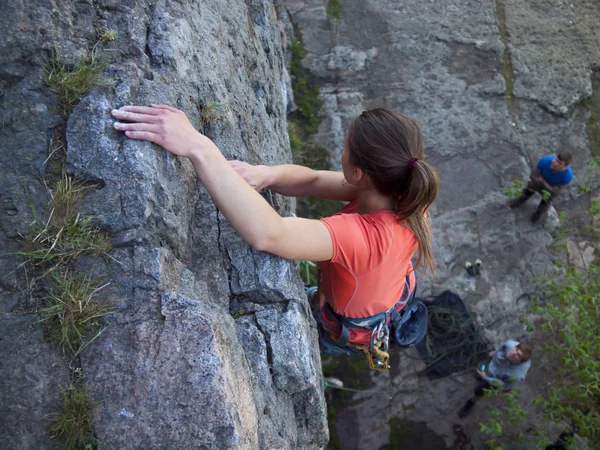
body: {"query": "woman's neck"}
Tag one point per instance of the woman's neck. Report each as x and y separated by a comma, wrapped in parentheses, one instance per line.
(369, 201)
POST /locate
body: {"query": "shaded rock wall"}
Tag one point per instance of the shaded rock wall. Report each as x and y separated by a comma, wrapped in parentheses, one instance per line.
(495, 84)
(210, 344)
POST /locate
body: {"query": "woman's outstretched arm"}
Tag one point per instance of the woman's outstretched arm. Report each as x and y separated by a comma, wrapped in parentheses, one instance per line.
(297, 181)
(247, 211)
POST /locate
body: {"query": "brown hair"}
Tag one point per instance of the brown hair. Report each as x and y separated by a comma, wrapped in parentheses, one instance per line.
(526, 351)
(388, 147)
(566, 157)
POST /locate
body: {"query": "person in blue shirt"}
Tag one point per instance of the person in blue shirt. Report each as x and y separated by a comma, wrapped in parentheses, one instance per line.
(551, 174)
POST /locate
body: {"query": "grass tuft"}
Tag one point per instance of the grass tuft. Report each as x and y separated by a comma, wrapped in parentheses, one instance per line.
(209, 113)
(66, 194)
(107, 35)
(57, 154)
(66, 235)
(74, 313)
(72, 83)
(49, 247)
(72, 427)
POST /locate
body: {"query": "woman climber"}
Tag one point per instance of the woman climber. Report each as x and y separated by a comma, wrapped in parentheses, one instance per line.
(364, 251)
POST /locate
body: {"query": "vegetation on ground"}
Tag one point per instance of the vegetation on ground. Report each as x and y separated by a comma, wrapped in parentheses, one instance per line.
(592, 172)
(572, 316)
(510, 413)
(72, 427)
(515, 189)
(569, 304)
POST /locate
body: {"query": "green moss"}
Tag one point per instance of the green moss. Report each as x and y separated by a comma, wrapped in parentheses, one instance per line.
(239, 313)
(506, 68)
(334, 8)
(306, 153)
(306, 92)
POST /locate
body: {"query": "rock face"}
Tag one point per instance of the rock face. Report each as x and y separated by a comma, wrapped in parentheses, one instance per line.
(495, 85)
(211, 344)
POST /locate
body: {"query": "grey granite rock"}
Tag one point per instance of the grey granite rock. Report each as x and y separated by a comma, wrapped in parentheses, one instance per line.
(183, 383)
(33, 375)
(172, 369)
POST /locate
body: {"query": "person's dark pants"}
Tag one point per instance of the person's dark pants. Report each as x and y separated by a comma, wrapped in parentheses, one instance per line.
(479, 389)
(532, 188)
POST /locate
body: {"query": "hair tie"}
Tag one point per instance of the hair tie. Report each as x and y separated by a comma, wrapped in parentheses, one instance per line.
(411, 162)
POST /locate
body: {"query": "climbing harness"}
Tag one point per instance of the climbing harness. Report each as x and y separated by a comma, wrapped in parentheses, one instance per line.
(399, 321)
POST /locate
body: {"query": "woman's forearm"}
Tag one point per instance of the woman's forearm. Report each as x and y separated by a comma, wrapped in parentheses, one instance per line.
(235, 198)
(291, 180)
(299, 181)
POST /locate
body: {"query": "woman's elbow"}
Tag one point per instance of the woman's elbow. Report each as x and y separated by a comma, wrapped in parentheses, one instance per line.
(259, 243)
(262, 244)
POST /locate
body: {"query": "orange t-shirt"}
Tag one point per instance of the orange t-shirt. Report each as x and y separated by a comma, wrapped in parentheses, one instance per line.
(371, 257)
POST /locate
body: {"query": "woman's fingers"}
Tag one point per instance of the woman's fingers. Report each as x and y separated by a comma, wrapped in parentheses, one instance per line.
(167, 107)
(137, 127)
(165, 126)
(140, 109)
(145, 136)
(132, 116)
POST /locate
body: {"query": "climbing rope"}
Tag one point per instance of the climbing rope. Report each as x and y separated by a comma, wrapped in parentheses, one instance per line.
(341, 388)
(449, 334)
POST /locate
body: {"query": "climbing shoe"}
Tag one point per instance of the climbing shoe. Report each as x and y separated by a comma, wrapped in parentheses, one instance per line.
(478, 264)
(471, 270)
(536, 216)
(466, 409)
(516, 202)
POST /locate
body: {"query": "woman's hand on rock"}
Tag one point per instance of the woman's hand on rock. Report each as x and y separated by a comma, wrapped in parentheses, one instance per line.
(161, 124)
(255, 176)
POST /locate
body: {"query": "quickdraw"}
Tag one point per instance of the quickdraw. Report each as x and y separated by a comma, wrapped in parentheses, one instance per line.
(377, 357)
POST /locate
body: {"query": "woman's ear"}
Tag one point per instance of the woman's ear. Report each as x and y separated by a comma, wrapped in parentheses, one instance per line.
(357, 174)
